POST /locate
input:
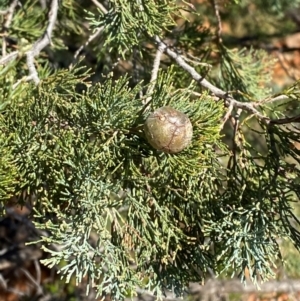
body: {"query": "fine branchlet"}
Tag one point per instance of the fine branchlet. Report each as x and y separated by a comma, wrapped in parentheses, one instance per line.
(42, 42)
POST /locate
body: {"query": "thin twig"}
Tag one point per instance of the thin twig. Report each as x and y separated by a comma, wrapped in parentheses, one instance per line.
(9, 16)
(19, 81)
(42, 42)
(235, 142)
(92, 37)
(196, 61)
(286, 120)
(34, 282)
(89, 40)
(10, 13)
(38, 271)
(227, 116)
(16, 292)
(9, 57)
(3, 283)
(154, 73)
(236, 124)
(270, 100)
(220, 94)
(99, 5)
(217, 13)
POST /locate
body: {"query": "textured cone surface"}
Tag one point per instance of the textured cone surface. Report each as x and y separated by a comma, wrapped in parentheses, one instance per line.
(168, 130)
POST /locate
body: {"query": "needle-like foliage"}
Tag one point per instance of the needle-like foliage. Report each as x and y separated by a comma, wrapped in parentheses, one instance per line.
(114, 211)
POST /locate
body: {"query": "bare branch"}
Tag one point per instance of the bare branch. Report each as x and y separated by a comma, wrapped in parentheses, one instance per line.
(3, 283)
(99, 5)
(9, 57)
(227, 116)
(10, 13)
(156, 64)
(90, 39)
(9, 16)
(220, 94)
(154, 73)
(41, 43)
(270, 100)
(38, 271)
(217, 13)
(22, 80)
(236, 125)
(286, 120)
(33, 281)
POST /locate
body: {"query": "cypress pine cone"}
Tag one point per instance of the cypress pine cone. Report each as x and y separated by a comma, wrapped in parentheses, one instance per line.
(168, 130)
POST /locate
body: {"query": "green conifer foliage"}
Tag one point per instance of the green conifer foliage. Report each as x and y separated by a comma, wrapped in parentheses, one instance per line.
(114, 209)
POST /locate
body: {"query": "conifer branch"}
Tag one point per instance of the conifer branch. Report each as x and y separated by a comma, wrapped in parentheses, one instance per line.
(154, 73)
(206, 84)
(42, 42)
(219, 93)
(93, 36)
